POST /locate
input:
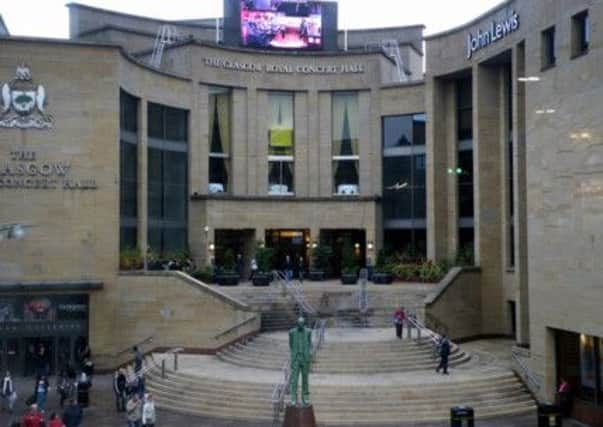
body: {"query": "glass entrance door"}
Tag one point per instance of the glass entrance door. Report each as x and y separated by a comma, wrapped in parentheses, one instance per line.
(9, 356)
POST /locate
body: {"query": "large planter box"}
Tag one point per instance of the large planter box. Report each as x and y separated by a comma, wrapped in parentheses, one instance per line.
(382, 278)
(227, 279)
(316, 276)
(349, 278)
(262, 279)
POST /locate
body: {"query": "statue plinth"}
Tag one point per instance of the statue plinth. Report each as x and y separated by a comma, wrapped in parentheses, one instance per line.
(299, 416)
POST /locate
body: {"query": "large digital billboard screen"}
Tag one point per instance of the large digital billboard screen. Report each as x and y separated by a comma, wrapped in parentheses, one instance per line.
(281, 24)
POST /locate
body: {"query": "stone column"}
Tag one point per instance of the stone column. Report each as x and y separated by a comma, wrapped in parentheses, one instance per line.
(142, 177)
(314, 132)
(198, 155)
(243, 132)
(325, 157)
(452, 185)
(520, 202)
(436, 166)
(302, 146)
(487, 193)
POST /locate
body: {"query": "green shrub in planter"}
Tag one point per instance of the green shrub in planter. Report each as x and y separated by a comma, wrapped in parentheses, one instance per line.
(320, 259)
(349, 263)
(263, 257)
(130, 259)
(204, 275)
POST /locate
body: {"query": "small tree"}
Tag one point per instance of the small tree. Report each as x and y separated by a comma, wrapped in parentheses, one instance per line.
(321, 256)
(349, 261)
(263, 257)
(229, 263)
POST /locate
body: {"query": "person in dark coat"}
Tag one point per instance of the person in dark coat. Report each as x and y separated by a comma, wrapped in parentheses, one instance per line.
(119, 389)
(444, 353)
(399, 317)
(137, 360)
(72, 416)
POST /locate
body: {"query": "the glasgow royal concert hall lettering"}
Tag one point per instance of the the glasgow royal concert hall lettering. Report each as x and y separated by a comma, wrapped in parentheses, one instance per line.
(253, 67)
(496, 32)
(24, 170)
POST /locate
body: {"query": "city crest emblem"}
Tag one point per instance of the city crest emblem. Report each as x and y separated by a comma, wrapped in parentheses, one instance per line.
(23, 103)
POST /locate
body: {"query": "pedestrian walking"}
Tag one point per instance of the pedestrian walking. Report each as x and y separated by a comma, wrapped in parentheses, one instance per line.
(119, 389)
(444, 350)
(83, 390)
(41, 394)
(72, 416)
(254, 268)
(134, 411)
(55, 421)
(9, 394)
(88, 369)
(300, 268)
(148, 411)
(137, 359)
(399, 317)
(288, 268)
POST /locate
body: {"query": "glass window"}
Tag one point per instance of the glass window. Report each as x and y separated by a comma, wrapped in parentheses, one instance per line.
(464, 93)
(397, 131)
(465, 183)
(128, 171)
(281, 131)
(167, 178)
(587, 367)
(548, 47)
(580, 33)
(280, 178)
(418, 129)
(345, 124)
(219, 139)
(346, 177)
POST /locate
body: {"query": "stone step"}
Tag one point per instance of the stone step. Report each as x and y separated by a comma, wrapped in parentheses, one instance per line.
(342, 399)
(370, 418)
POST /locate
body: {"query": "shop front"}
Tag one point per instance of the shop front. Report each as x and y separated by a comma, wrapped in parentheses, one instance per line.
(580, 365)
(35, 330)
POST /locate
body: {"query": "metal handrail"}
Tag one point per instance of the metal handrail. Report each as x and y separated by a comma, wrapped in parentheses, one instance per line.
(296, 291)
(145, 341)
(434, 338)
(232, 328)
(527, 371)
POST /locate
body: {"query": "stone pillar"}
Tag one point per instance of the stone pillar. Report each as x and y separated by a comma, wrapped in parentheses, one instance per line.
(258, 149)
(452, 185)
(243, 132)
(487, 193)
(142, 177)
(198, 155)
(520, 203)
(365, 151)
(325, 157)
(436, 169)
(302, 146)
(314, 132)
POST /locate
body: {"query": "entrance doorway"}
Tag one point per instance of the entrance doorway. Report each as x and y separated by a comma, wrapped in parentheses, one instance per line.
(512, 318)
(337, 240)
(294, 243)
(231, 244)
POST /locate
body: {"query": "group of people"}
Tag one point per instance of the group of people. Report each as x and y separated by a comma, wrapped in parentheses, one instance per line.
(288, 267)
(443, 345)
(130, 396)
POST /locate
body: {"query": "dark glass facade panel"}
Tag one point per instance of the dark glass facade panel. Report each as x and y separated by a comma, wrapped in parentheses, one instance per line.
(464, 105)
(397, 131)
(167, 198)
(128, 171)
(467, 244)
(548, 47)
(412, 241)
(418, 129)
(465, 184)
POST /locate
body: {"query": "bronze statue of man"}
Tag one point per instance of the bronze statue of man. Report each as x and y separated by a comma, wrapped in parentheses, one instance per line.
(300, 343)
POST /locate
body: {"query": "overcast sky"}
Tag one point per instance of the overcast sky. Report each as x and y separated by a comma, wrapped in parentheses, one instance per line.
(49, 18)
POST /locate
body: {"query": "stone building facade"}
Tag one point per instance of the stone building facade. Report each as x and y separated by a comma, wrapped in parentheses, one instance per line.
(493, 154)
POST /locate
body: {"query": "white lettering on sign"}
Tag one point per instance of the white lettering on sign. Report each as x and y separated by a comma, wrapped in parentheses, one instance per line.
(25, 171)
(497, 31)
(227, 64)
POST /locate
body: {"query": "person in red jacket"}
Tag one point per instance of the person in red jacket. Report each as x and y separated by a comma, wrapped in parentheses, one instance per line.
(33, 418)
(399, 317)
(55, 421)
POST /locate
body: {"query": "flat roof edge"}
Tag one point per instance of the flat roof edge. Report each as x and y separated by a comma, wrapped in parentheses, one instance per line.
(458, 28)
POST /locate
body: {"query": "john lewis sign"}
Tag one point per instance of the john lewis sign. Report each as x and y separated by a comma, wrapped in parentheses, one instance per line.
(497, 31)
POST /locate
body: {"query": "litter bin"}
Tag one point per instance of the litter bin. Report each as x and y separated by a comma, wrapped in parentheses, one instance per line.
(461, 416)
(549, 416)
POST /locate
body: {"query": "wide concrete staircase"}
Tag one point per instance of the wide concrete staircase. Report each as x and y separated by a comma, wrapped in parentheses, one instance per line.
(270, 351)
(375, 381)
